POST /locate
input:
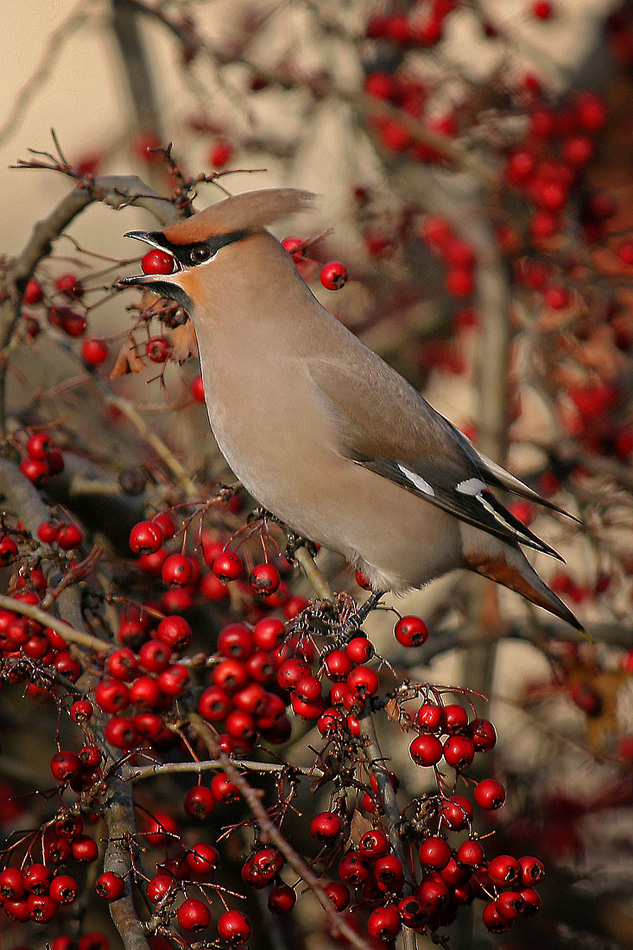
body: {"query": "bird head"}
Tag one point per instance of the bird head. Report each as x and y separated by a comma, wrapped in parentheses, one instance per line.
(199, 244)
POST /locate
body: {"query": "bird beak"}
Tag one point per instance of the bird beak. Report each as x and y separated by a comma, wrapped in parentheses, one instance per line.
(138, 280)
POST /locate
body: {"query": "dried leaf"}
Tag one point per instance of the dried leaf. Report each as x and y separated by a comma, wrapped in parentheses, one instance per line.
(183, 342)
(359, 826)
(394, 714)
(128, 360)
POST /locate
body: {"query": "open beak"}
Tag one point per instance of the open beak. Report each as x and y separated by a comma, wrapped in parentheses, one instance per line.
(138, 280)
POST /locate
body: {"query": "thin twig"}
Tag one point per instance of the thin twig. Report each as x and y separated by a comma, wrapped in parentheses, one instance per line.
(59, 626)
(252, 797)
(149, 771)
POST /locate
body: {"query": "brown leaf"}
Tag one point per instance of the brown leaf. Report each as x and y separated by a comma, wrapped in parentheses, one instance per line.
(359, 826)
(128, 360)
(183, 342)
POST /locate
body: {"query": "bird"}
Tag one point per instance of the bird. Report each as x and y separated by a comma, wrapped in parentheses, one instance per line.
(319, 429)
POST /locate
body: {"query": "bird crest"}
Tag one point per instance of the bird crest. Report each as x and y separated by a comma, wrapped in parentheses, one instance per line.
(250, 211)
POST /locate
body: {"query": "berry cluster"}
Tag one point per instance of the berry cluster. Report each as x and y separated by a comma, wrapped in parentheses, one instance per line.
(42, 459)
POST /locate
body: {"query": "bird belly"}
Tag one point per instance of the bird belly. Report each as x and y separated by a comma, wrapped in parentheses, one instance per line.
(284, 454)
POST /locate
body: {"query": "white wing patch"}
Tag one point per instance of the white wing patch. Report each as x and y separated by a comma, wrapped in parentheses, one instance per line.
(476, 488)
(471, 486)
(420, 483)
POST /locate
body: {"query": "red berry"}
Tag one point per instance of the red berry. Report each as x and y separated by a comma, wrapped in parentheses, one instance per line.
(265, 579)
(158, 262)
(384, 923)
(177, 569)
(353, 869)
(157, 349)
(493, 920)
(63, 889)
(39, 445)
(227, 566)
(112, 695)
(532, 870)
(374, 844)
(281, 899)
(557, 297)
(197, 389)
(35, 470)
(193, 915)
(220, 153)
(360, 650)
(203, 859)
(234, 927)
(333, 275)
(338, 893)
(435, 852)
(489, 794)
(47, 532)
(411, 631)
(362, 682)
(70, 285)
(542, 9)
(470, 854)
(199, 802)
(456, 812)
(460, 282)
(455, 718)
(94, 351)
(33, 292)
(504, 870)
(65, 765)
(459, 751)
(69, 536)
(11, 884)
(81, 710)
(223, 789)
(326, 826)
(426, 750)
(110, 886)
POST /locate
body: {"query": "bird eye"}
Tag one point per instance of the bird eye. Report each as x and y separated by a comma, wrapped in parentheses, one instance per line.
(200, 253)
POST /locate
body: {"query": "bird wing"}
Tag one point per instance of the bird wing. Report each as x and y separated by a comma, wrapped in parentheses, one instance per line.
(385, 425)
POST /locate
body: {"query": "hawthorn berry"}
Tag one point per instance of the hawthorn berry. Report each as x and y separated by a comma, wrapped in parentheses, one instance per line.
(157, 349)
(426, 749)
(110, 886)
(70, 285)
(220, 153)
(63, 889)
(281, 899)
(157, 262)
(197, 389)
(69, 536)
(234, 927)
(333, 275)
(193, 915)
(177, 569)
(33, 292)
(489, 794)
(411, 631)
(360, 649)
(198, 802)
(326, 826)
(504, 870)
(146, 537)
(384, 923)
(65, 765)
(227, 566)
(94, 351)
(265, 579)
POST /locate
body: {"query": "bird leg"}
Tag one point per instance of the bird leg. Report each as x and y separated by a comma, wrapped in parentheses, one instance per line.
(358, 618)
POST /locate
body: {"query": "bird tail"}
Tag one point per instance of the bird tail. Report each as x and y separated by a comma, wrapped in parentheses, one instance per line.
(513, 570)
